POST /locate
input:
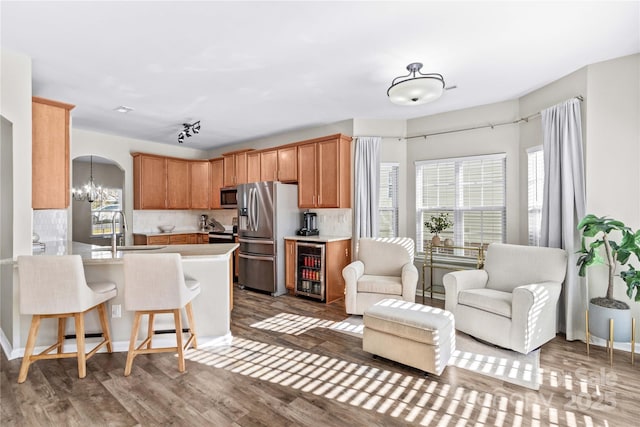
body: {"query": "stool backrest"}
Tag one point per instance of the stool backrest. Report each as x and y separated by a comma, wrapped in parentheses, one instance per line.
(154, 282)
(53, 284)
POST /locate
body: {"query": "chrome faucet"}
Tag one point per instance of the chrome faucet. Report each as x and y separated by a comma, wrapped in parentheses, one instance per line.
(114, 238)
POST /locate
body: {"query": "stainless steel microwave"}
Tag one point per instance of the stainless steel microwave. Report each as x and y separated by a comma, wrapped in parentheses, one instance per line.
(229, 198)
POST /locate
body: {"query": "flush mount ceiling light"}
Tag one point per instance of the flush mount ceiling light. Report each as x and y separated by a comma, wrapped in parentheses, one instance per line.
(123, 109)
(416, 88)
(188, 130)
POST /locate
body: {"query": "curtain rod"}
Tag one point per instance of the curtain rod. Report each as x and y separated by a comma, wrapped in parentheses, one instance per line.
(490, 125)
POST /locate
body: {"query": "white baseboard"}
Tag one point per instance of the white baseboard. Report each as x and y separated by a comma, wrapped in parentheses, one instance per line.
(118, 346)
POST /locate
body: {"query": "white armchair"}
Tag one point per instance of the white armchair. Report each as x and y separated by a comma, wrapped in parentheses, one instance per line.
(384, 269)
(512, 302)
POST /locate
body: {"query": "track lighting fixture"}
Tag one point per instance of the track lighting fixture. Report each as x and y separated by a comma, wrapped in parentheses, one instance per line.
(188, 129)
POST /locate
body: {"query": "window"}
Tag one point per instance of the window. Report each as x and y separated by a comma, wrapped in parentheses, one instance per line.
(471, 190)
(102, 211)
(535, 188)
(388, 200)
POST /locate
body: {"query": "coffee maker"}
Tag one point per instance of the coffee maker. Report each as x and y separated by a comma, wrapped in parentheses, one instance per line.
(309, 224)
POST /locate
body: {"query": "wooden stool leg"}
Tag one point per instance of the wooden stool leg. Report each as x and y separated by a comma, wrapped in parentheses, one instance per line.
(132, 344)
(28, 350)
(62, 324)
(150, 329)
(82, 356)
(178, 321)
(192, 324)
(104, 323)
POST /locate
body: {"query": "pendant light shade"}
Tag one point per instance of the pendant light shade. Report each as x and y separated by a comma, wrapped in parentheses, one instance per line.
(416, 88)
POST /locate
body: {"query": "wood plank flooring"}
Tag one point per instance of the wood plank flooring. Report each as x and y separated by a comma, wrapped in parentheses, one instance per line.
(287, 368)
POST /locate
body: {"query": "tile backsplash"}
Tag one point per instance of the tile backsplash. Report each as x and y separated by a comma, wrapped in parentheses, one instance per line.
(50, 224)
(332, 222)
(146, 221)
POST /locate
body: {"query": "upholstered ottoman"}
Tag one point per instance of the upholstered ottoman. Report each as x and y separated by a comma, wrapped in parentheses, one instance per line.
(412, 334)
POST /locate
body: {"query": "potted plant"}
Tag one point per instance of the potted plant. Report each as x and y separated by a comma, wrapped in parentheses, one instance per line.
(602, 231)
(436, 225)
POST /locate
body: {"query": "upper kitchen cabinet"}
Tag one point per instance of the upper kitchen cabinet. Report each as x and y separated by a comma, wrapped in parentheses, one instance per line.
(269, 165)
(288, 164)
(324, 168)
(235, 168)
(216, 183)
(149, 181)
(200, 182)
(178, 184)
(253, 167)
(50, 154)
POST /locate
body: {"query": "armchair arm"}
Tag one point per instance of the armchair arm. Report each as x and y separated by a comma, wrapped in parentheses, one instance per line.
(533, 315)
(409, 282)
(457, 281)
(351, 273)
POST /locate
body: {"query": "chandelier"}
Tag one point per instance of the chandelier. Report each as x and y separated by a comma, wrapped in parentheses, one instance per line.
(188, 131)
(416, 88)
(89, 192)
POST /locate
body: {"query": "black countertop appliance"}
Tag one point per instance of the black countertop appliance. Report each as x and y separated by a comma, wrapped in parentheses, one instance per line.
(309, 224)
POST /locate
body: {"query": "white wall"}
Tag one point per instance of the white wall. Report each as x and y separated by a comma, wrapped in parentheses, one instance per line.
(613, 153)
(119, 149)
(15, 107)
(501, 139)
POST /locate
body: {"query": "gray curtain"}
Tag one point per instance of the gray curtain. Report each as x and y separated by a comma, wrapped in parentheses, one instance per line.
(366, 178)
(564, 205)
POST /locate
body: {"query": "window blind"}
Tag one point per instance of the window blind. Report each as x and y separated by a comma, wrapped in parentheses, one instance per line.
(388, 200)
(535, 188)
(471, 190)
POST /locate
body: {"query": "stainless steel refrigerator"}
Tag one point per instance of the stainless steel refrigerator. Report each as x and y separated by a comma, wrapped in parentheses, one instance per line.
(267, 212)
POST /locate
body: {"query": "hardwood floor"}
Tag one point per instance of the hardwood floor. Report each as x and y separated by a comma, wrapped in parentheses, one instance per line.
(287, 368)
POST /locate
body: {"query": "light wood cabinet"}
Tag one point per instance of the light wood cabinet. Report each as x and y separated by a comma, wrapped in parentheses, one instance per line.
(178, 184)
(50, 154)
(288, 164)
(290, 264)
(324, 173)
(337, 257)
(217, 182)
(171, 239)
(235, 168)
(253, 167)
(149, 181)
(269, 165)
(200, 182)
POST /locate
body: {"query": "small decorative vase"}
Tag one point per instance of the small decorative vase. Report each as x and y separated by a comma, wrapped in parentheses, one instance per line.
(448, 242)
(435, 240)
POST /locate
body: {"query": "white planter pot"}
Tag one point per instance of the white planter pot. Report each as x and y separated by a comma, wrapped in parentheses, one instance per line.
(599, 322)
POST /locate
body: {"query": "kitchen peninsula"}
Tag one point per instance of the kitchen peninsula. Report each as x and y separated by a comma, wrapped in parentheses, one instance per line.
(209, 264)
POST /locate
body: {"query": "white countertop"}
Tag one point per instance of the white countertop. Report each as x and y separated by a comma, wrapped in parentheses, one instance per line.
(320, 239)
(92, 254)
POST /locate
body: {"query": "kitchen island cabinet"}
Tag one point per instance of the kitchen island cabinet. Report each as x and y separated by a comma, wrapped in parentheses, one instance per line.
(210, 265)
(174, 238)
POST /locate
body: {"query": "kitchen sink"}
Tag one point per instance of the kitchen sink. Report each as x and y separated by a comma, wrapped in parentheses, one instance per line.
(131, 248)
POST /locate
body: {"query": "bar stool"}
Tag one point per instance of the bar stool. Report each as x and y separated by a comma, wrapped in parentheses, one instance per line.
(55, 287)
(155, 284)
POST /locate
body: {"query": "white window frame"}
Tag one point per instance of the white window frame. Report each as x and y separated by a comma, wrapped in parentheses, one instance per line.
(394, 188)
(456, 212)
(101, 219)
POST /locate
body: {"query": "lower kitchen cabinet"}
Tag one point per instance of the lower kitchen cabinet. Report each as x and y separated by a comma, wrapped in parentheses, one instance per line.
(318, 274)
(170, 239)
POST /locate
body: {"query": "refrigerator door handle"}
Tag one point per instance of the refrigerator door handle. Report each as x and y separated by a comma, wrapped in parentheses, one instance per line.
(259, 242)
(250, 209)
(259, 258)
(256, 218)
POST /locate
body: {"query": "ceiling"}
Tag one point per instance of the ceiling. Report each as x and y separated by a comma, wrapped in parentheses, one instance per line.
(253, 69)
